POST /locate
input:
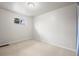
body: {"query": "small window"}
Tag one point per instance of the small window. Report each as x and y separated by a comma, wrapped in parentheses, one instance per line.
(17, 21)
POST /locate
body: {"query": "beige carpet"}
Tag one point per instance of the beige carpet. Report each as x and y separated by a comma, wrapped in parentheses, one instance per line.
(34, 48)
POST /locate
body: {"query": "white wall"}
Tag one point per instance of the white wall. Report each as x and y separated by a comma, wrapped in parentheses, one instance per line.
(11, 32)
(57, 27)
(78, 31)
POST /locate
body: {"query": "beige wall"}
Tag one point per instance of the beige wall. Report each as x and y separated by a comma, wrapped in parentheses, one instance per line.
(57, 27)
(11, 32)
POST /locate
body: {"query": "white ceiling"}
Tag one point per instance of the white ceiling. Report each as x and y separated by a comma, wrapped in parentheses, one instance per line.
(42, 7)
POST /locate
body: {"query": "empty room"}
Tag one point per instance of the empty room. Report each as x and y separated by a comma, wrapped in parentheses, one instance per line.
(38, 28)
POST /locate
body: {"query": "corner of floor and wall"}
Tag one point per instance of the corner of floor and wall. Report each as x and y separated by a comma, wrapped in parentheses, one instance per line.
(11, 32)
(57, 27)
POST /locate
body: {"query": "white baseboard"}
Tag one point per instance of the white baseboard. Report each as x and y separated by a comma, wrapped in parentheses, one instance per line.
(74, 50)
(16, 41)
